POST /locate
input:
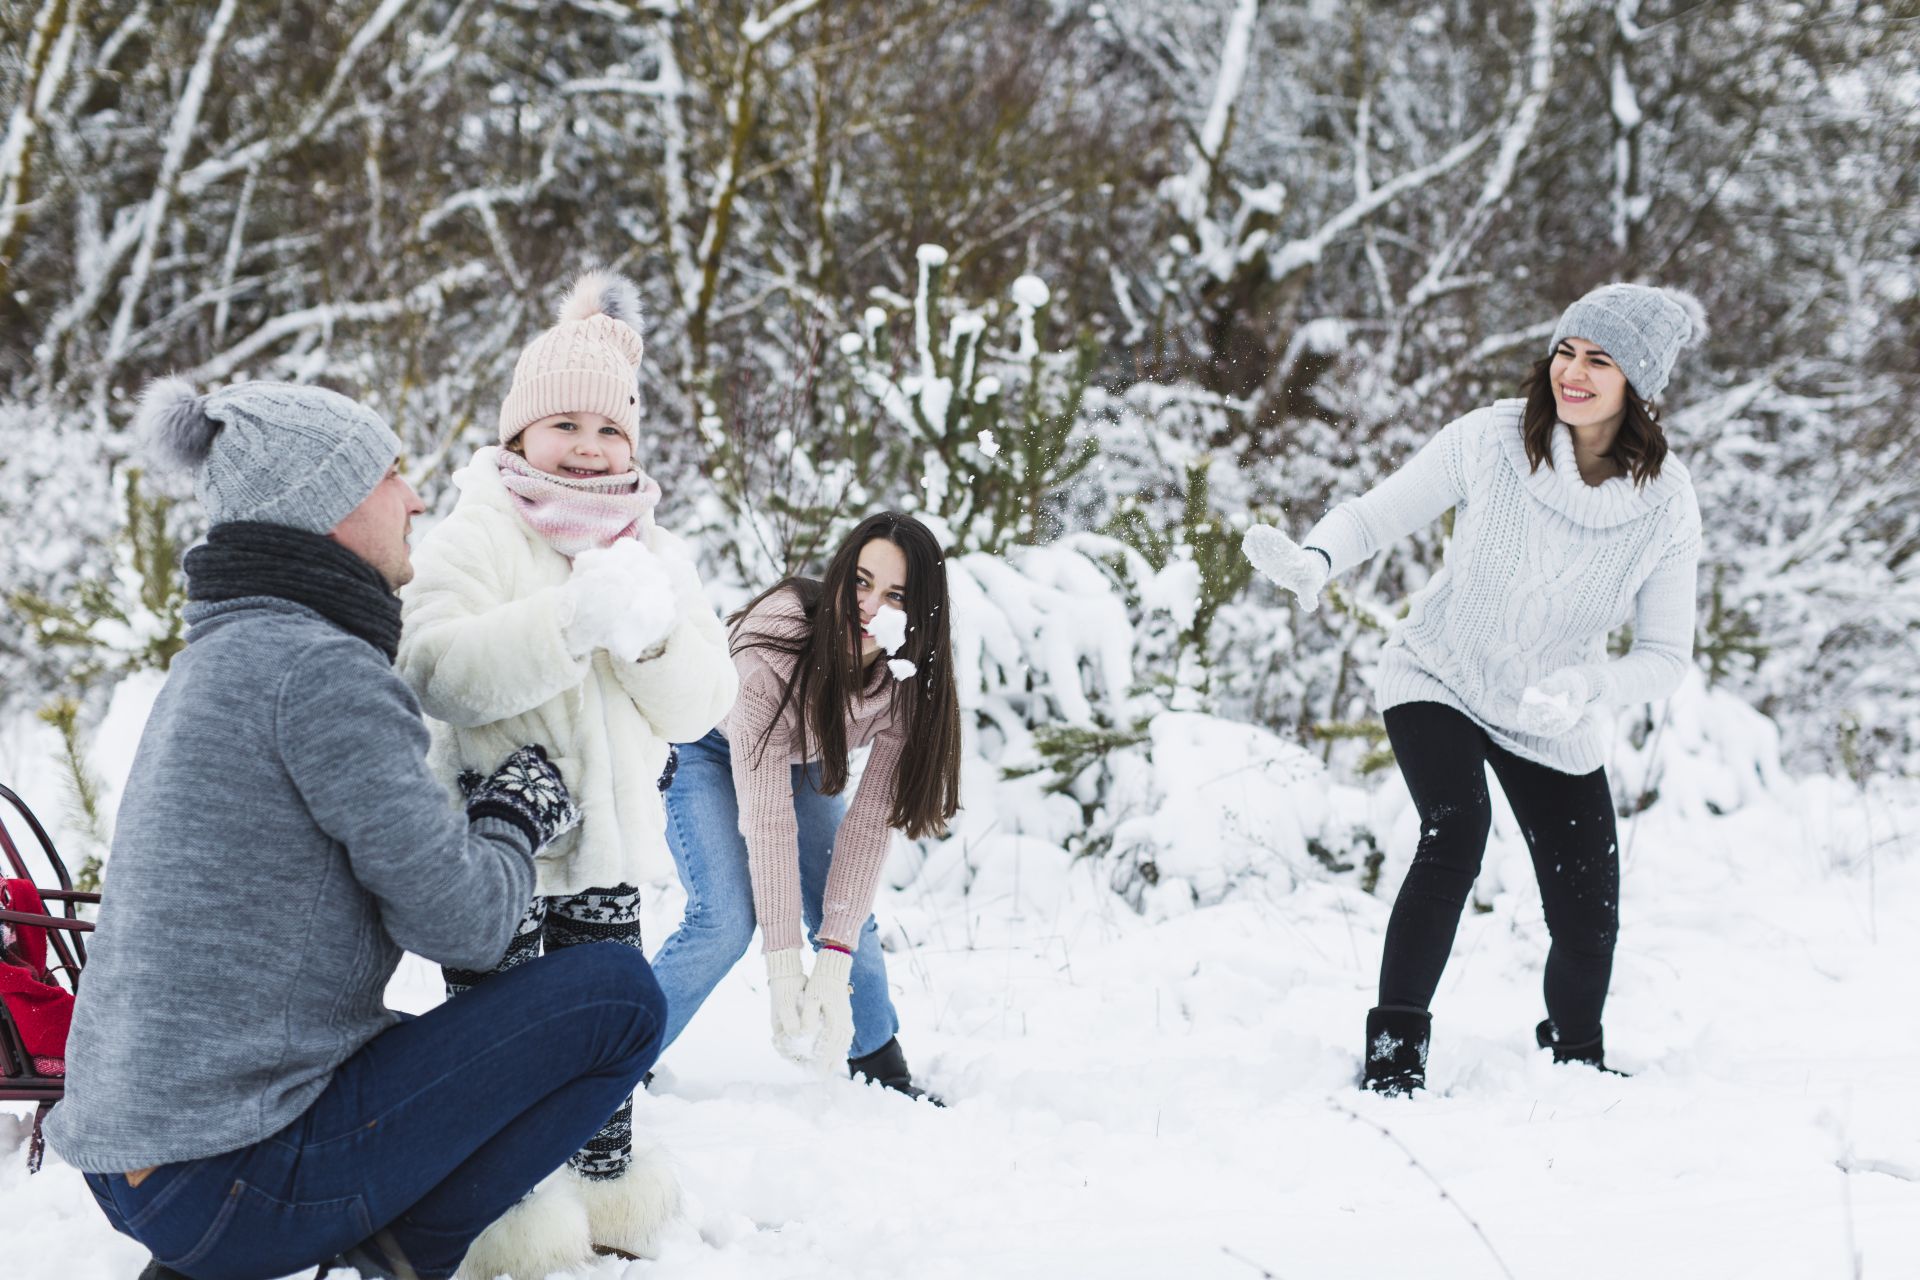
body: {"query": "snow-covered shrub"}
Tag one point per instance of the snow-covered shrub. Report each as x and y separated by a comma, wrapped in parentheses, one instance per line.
(985, 435)
(127, 619)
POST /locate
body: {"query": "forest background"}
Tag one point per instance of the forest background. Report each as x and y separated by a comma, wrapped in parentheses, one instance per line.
(1088, 285)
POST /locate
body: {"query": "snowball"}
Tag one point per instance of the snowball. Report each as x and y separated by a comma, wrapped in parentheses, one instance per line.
(889, 627)
(1031, 291)
(902, 669)
(1560, 703)
(621, 599)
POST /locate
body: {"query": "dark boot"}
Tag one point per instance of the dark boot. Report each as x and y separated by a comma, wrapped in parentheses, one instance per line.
(155, 1271)
(1396, 1056)
(1592, 1053)
(376, 1259)
(887, 1066)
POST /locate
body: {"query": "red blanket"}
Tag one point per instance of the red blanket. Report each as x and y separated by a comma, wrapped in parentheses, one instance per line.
(41, 1010)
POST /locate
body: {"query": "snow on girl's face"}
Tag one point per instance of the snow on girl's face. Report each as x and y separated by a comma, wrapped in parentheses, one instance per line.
(576, 446)
(1588, 388)
(889, 628)
(879, 582)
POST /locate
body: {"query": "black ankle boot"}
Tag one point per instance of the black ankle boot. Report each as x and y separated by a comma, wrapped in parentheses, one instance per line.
(1592, 1053)
(887, 1066)
(155, 1271)
(1396, 1056)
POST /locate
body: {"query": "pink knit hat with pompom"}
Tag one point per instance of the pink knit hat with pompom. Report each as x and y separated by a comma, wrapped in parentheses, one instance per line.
(589, 362)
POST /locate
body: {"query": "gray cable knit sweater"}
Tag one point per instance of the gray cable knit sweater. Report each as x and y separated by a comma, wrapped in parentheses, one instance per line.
(279, 843)
(1541, 568)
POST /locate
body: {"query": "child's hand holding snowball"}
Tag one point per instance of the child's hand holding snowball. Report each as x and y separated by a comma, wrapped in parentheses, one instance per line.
(621, 599)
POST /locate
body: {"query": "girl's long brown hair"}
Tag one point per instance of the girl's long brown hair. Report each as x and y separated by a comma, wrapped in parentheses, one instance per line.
(1640, 447)
(828, 675)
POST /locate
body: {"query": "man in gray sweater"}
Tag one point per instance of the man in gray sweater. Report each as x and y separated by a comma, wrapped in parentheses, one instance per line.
(239, 1097)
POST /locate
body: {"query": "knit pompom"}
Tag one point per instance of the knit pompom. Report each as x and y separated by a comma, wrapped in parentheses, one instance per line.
(174, 424)
(1696, 314)
(602, 293)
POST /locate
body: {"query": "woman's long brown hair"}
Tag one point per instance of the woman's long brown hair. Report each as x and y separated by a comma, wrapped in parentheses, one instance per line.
(827, 674)
(1640, 447)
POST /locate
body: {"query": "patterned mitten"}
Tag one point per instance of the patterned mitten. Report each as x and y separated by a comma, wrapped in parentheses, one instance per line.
(527, 790)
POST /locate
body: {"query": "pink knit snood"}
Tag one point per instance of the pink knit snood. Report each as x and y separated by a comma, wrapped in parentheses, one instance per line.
(579, 515)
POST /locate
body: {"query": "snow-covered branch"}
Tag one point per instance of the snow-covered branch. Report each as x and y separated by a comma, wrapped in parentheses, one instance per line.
(426, 296)
(1305, 251)
(186, 117)
(1190, 192)
(49, 50)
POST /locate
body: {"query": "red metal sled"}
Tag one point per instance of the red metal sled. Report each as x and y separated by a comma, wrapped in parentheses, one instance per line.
(20, 1079)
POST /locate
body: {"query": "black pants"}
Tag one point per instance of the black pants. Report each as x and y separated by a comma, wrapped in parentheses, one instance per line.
(1569, 827)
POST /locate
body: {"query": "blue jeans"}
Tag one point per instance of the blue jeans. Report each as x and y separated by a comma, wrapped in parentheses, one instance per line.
(703, 830)
(432, 1130)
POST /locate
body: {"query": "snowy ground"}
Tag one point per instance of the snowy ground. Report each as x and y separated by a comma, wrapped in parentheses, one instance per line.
(1132, 1098)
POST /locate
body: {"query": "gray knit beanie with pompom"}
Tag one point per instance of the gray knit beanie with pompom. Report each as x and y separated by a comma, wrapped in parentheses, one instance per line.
(269, 451)
(1641, 326)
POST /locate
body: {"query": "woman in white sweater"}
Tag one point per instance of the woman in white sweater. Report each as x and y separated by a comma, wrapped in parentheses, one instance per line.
(549, 607)
(1571, 520)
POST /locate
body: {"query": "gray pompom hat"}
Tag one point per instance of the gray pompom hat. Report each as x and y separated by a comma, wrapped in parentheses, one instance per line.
(274, 452)
(1642, 327)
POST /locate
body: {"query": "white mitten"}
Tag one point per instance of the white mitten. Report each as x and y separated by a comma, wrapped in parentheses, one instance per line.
(1555, 705)
(621, 599)
(828, 1004)
(786, 985)
(1287, 563)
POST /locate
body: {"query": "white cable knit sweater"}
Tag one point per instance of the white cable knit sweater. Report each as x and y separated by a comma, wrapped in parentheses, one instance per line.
(1541, 568)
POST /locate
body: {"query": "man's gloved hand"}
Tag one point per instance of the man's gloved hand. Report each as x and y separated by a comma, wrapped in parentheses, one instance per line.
(621, 599)
(1556, 704)
(786, 982)
(526, 790)
(1299, 569)
(827, 1004)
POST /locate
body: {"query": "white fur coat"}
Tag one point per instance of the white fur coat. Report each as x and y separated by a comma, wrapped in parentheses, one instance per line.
(482, 647)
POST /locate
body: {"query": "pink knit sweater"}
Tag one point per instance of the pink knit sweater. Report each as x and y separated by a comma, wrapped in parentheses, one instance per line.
(763, 781)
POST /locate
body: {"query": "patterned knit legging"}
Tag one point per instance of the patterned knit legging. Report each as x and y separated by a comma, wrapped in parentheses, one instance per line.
(598, 915)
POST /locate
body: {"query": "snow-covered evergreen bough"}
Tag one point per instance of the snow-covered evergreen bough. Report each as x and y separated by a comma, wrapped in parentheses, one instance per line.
(758, 828)
(1570, 521)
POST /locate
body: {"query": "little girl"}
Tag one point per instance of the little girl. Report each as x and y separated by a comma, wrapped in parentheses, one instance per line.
(549, 603)
(756, 819)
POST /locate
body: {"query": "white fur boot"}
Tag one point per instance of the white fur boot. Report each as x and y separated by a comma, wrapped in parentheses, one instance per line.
(546, 1232)
(629, 1213)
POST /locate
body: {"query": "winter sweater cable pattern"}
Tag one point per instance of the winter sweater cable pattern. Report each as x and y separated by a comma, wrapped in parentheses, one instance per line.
(1541, 568)
(763, 783)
